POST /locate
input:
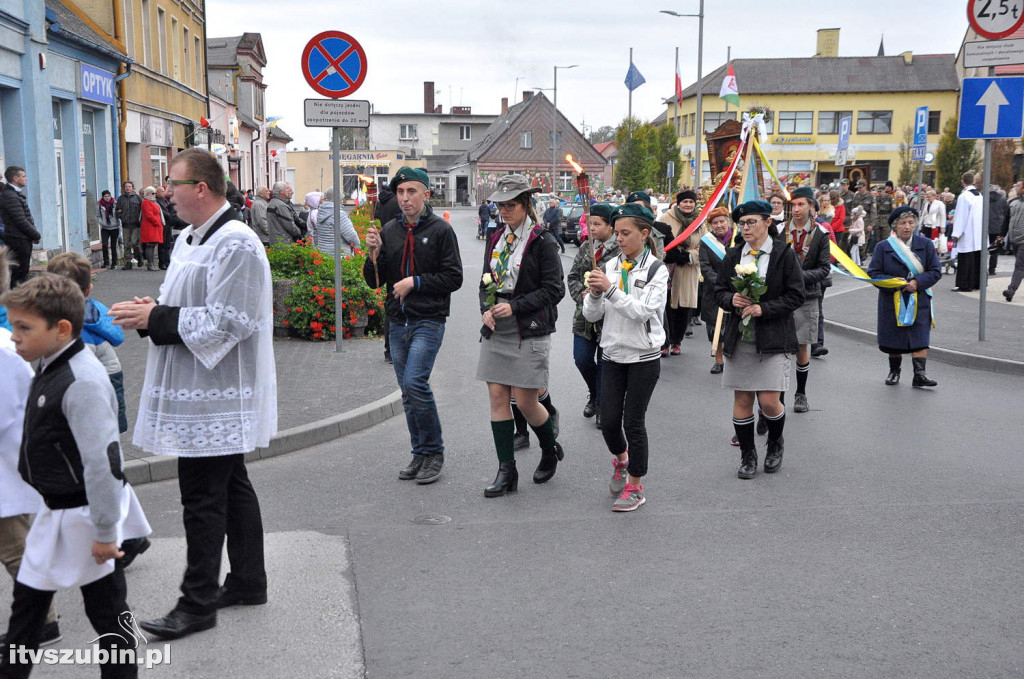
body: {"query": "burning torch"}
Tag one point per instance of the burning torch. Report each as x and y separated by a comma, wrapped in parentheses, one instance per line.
(370, 187)
(583, 190)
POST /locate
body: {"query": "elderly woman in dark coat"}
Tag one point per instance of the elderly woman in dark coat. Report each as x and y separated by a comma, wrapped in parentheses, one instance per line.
(905, 315)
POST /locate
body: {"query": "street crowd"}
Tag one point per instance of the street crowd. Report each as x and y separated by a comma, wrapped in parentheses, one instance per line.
(753, 274)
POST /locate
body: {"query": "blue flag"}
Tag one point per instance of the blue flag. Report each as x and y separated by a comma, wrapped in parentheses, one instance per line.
(633, 78)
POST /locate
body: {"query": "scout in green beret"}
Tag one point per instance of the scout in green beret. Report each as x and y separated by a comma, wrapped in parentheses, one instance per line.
(408, 174)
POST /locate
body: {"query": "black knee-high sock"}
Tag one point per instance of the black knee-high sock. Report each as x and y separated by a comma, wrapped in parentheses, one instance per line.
(520, 419)
(502, 432)
(744, 432)
(801, 377)
(545, 401)
(895, 362)
(776, 425)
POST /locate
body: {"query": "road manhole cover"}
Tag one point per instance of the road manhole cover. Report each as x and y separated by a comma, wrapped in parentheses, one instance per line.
(431, 519)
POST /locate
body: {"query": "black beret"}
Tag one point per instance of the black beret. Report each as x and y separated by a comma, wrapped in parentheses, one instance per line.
(636, 210)
(638, 196)
(753, 207)
(603, 210)
(895, 215)
(687, 194)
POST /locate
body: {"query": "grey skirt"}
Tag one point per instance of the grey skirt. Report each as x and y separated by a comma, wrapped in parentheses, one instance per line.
(507, 359)
(746, 370)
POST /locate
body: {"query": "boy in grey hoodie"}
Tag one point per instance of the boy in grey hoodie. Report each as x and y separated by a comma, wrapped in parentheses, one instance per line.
(71, 455)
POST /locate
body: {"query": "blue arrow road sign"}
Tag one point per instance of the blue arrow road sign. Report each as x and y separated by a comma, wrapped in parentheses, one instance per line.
(991, 108)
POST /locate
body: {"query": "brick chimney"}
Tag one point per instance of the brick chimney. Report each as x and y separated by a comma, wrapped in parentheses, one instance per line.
(527, 94)
(428, 97)
(504, 105)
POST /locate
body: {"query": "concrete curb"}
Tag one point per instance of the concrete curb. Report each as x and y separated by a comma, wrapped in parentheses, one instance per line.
(950, 356)
(163, 467)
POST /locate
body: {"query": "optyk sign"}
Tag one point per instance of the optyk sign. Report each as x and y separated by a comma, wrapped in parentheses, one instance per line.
(95, 84)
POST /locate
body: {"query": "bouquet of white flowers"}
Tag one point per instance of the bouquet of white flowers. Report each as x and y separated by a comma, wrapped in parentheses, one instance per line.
(491, 288)
(748, 282)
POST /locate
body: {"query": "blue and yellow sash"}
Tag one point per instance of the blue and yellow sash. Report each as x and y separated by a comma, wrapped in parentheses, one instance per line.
(714, 245)
(906, 314)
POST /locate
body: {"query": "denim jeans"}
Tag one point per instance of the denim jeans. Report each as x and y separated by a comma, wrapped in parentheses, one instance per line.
(584, 353)
(414, 346)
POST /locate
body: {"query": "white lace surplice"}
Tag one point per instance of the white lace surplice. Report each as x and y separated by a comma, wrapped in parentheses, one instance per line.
(216, 394)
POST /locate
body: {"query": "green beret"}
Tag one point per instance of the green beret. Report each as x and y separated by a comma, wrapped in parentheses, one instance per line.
(603, 210)
(760, 208)
(408, 174)
(636, 210)
(638, 196)
(802, 192)
(902, 210)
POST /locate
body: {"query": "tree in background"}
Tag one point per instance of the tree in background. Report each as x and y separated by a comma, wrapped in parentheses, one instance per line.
(602, 134)
(629, 173)
(909, 169)
(955, 157)
(1002, 163)
(668, 151)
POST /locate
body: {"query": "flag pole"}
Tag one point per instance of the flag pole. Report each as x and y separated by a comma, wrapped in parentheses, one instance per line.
(630, 113)
(679, 130)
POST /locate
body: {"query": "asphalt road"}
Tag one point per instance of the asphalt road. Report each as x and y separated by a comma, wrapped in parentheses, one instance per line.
(888, 545)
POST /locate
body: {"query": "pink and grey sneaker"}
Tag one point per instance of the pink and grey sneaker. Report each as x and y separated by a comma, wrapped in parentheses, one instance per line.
(632, 497)
(618, 477)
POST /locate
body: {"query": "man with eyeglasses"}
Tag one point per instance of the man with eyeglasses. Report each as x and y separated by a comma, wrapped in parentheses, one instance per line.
(210, 393)
(416, 257)
(810, 240)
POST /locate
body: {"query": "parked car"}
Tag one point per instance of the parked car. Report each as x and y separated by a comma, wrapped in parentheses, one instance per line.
(570, 222)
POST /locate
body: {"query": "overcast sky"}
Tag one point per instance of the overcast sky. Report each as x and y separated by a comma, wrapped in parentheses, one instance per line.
(474, 51)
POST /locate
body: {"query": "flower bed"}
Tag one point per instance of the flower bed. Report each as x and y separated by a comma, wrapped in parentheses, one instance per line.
(309, 309)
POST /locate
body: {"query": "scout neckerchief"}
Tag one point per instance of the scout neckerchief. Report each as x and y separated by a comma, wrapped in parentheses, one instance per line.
(501, 267)
(906, 314)
(627, 266)
(799, 239)
(408, 251)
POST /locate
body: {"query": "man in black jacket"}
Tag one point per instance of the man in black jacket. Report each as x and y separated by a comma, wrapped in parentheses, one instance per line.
(387, 209)
(810, 240)
(417, 258)
(998, 225)
(129, 211)
(19, 227)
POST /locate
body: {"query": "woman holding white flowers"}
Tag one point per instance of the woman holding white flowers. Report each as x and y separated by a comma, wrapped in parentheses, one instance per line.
(758, 351)
(628, 294)
(519, 290)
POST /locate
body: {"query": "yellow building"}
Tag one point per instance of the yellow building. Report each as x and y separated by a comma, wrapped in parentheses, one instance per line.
(809, 95)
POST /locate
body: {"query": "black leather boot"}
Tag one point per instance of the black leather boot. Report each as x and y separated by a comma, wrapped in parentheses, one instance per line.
(773, 458)
(920, 378)
(748, 464)
(507, 480)
(894, 370)
(548, 463)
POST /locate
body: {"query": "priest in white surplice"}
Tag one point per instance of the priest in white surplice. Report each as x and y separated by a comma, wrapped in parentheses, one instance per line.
(210, 392)
(967, 233)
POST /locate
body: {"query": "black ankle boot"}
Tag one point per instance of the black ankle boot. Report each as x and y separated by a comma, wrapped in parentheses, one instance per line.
(548, 464)
(507, 480)
(920, 378)
(773, 458)
(748, 464)
(894, 370)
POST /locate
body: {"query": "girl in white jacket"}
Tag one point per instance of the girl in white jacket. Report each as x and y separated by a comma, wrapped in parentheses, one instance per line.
(629, 294)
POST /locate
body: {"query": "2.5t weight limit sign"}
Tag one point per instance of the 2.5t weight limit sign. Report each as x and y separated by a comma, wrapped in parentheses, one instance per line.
(334, 64)
(995, 19)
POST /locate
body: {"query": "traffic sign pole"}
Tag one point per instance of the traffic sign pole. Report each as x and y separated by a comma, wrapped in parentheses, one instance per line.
(982, 260)
(339, 319)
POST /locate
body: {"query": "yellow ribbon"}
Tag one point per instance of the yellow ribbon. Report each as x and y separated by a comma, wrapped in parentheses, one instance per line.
(856, 272)
(771, 170)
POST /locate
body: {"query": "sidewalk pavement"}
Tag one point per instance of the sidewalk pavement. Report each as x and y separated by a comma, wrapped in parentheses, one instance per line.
(850, 309)
(321, 395)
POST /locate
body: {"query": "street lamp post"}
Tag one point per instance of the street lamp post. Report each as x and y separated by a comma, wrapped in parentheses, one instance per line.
(700, 59)
(554, 128)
